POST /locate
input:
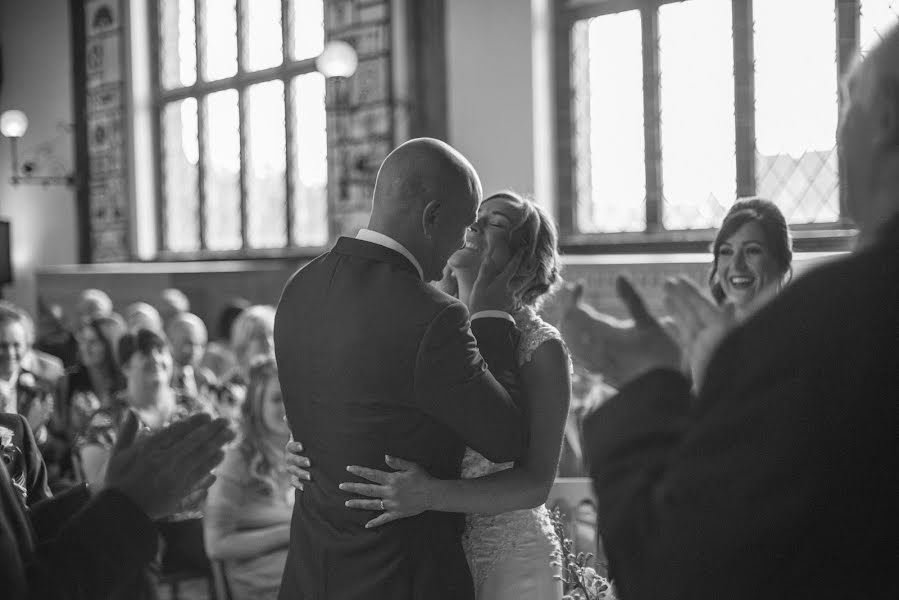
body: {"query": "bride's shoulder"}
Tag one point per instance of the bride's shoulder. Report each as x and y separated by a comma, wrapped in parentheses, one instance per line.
(534, 333)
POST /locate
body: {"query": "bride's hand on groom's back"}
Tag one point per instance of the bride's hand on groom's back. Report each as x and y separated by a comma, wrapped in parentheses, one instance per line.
(297, 464)
(405, 492)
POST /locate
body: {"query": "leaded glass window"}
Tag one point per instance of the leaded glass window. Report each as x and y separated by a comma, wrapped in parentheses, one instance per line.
(670, 110)
(242, 134)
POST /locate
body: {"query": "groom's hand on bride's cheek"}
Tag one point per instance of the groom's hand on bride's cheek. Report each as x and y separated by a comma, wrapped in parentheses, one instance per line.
(297, 464)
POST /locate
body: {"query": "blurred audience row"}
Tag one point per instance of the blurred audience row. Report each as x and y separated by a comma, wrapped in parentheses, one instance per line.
(76, 386)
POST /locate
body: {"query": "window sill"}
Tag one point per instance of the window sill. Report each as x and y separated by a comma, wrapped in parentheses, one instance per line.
(696, 241)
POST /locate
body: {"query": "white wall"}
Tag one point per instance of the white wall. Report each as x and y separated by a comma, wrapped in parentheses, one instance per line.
(37, 79)
(490, 89)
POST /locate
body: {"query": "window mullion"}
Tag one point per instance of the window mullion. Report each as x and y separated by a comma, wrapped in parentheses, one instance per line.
(744, 97)
(201, 124)
(652, 129)
(287, 44)
(242, 125)
(848, 33)
(158, 107)
(848, 43)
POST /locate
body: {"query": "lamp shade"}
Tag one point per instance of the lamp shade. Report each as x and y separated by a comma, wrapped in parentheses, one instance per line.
(13, 123)
(338, 59)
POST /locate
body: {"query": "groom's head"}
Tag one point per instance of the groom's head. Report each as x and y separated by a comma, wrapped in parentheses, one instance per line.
(426, 195)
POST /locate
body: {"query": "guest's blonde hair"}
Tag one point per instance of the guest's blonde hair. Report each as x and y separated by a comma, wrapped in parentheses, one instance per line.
(256, 322)
(262, 463)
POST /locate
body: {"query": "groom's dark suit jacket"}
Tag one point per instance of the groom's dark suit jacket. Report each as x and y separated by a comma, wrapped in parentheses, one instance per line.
(374, 361)
(780, 479)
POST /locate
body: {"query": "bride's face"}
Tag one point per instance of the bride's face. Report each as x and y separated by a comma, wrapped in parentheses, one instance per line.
(489, 235)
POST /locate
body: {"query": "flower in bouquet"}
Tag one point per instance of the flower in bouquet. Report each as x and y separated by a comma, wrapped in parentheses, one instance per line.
(580, 581)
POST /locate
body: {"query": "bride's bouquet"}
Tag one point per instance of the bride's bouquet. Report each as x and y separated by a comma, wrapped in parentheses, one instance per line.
(580, 581)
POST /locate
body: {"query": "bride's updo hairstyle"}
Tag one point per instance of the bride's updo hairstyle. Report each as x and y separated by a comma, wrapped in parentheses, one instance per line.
(539, 273)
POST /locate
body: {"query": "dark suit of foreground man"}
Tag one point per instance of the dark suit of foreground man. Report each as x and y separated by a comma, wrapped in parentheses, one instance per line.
(373, 361)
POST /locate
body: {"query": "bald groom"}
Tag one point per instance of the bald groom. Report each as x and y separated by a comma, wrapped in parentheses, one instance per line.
(373, 360)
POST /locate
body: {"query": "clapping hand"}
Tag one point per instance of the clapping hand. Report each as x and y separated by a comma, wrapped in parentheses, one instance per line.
(492, 290)
(402, 493)
(168, 469)
(700, 323)
(619, 350)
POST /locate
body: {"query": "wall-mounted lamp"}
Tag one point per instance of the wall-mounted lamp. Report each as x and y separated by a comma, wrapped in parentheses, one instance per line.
(338, 60)
(13, 125)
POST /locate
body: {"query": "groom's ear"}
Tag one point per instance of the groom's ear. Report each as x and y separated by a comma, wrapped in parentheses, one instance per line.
(429, 218)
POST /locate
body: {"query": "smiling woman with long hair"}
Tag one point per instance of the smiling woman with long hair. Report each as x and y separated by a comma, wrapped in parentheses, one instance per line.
(249, 507)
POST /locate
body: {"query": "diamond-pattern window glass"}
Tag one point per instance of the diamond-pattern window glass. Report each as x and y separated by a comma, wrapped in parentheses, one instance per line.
(310, 183)
(220, 43)
(308, 28)
(877, 18)
(180, 160)
(263, 29)
(697, 122)
(610, 89)
(177, 44)
(222, 169)
(266, 166)
(796, 108)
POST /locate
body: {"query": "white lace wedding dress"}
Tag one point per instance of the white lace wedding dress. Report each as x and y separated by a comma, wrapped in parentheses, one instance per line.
(510, 553)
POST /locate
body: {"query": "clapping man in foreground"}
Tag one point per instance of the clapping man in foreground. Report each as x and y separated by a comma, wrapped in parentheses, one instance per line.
(774, 472)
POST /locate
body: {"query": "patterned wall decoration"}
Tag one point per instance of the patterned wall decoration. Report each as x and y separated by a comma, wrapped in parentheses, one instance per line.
(361, 111)
(104, 113)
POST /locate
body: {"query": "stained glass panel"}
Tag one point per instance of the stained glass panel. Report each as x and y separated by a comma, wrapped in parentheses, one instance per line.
(310, 203)
(180, 160)
(796, 108)
(611, 81)
(263, 27)
(220, 43)
(222, 170)
(308, 26)
(699, 169)
(877, 18)
(177, 43)
(266, 166)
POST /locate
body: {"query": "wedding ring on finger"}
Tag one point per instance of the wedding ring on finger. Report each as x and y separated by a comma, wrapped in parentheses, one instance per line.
(382, 504)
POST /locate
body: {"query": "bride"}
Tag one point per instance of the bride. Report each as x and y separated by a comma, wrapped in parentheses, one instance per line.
(508, 536)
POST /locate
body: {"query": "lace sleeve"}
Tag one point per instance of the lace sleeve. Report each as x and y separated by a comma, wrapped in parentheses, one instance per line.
(534, 332)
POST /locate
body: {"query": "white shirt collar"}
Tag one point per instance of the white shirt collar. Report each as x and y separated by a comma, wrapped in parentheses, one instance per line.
(367, 235)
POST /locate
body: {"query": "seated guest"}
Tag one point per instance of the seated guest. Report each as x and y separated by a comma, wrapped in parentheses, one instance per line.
(247, 523)
(751, 260)
(22, 390)
(147, 364)
(779, 478)
(752, 254)
(219, 357)
(140, 315)
(252, 336)
(187, 335)
(96, 380)
(53, 336)
(22, 459)
(172, 302)
(92, 303)
(89, 543)
(93, 383)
